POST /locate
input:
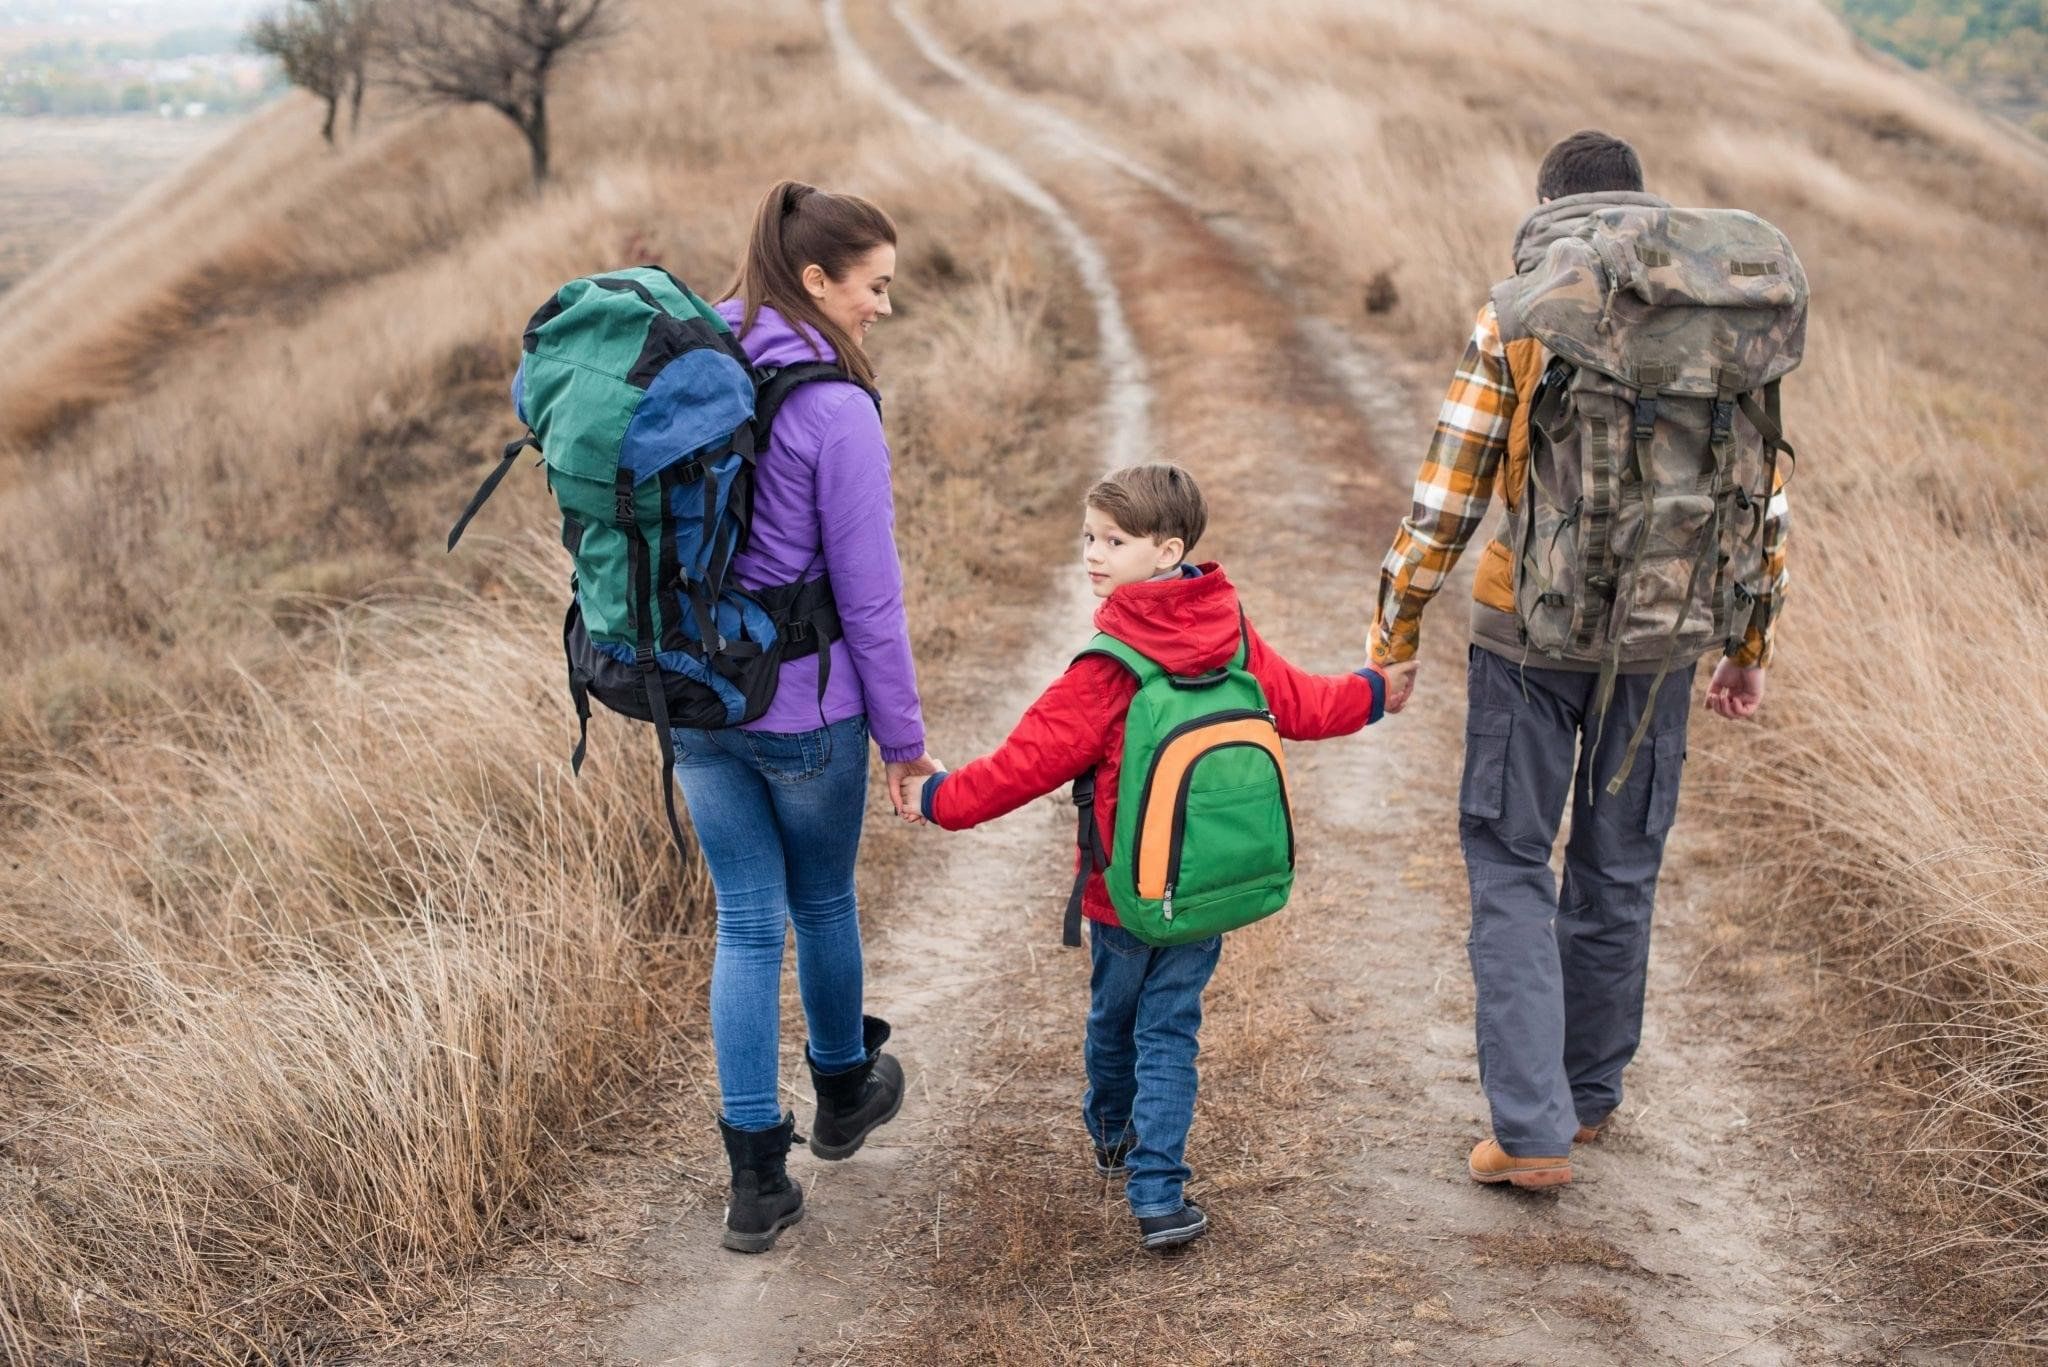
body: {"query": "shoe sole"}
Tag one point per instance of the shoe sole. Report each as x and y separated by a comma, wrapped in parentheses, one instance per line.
(1525, 1177)
(833, 1154)
(760, 1243)
(1173, 1238)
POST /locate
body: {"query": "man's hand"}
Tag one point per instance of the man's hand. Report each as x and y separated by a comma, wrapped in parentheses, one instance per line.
(905, 780)
(1400, 683)
(1735, 692)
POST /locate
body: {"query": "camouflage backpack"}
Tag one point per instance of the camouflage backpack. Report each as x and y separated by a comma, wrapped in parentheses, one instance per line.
(1654, 433)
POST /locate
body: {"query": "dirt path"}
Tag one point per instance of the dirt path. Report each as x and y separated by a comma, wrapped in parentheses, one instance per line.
(1340, 1091)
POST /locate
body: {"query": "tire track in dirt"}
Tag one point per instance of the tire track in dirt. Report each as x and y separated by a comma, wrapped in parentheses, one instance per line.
(937, 957)
(1688, 1239)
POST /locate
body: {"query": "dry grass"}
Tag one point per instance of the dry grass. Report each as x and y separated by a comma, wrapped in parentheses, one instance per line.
(317, 971)
(62, 177)
(1895, 802)
(1028, 1258)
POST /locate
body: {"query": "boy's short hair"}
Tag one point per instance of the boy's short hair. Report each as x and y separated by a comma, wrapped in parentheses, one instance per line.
(1157, 500)
(1588, 162)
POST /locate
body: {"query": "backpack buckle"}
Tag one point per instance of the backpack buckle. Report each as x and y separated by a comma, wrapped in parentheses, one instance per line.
(1646, 416)
(622, 508)
(1724, 418)
(1601, 584)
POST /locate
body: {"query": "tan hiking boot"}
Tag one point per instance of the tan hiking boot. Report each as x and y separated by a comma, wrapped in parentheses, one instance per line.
(1588, 1134)
(1491, 1163)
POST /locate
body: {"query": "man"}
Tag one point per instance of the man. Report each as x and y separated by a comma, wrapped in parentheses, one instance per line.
(1600, 588)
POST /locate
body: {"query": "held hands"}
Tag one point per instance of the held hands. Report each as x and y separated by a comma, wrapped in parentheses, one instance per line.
(1400, 684)
(906, 779)
(1734, 692)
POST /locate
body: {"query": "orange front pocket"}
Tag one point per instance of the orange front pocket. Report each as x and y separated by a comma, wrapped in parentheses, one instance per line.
(1162, 788)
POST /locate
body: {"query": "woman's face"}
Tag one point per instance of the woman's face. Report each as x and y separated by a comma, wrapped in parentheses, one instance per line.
(862, 296)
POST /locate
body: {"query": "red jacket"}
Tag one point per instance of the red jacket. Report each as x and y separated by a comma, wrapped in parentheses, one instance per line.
(1189, 626)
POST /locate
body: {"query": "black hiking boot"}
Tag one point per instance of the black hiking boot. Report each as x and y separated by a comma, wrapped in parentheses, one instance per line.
(1109, 1161)
(764, 1201)
(1167, 1231)
(854, 1103)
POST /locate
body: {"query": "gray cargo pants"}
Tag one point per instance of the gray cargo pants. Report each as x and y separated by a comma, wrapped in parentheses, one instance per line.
(1560, 972)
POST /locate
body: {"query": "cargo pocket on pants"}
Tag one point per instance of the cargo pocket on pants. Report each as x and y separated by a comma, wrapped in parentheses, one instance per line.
(1483, 790)
(1666, 766)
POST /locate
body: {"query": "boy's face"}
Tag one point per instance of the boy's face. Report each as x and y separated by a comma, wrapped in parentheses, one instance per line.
(1113, 556)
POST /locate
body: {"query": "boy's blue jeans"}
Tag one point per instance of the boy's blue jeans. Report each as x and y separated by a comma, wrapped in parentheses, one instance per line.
(1144, 1012)
(778, 818)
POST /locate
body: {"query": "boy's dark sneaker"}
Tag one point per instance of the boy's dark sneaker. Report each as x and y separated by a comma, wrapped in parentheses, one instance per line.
(1109, 1162)
(1167, 1231)
(764, 1201)
(854, 1103)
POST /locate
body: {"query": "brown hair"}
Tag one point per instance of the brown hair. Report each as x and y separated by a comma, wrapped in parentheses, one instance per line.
(796, 226)
(1588, 162)
(1157, 500)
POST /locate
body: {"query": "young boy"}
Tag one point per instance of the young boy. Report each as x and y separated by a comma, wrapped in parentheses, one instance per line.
(1145, 1003)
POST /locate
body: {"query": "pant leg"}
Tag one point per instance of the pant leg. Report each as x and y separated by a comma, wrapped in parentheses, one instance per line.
(1610, 885)
(734, 820)
(1521, 734)
(1116, 977)
(1169, 1020)
(818, 782)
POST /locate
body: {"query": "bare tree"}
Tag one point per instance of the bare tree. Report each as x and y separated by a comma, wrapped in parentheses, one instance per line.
(499, 53)
(324, 46)
(361, 30)
(310, 45)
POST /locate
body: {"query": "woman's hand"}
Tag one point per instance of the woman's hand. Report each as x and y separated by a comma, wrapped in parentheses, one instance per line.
(905, 779)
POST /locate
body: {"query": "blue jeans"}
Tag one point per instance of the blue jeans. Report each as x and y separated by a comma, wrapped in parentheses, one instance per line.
(778, 818)
(1144, 1011)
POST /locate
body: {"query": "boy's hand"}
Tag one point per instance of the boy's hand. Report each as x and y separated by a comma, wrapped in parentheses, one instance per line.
(905, 779)
(1400, 683)
(1735, 692)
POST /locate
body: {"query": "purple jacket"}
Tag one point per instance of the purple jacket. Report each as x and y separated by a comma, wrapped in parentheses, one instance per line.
(823, 505)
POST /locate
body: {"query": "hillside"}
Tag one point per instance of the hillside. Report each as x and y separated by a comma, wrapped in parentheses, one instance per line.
(335, 1016)
(1995, 51)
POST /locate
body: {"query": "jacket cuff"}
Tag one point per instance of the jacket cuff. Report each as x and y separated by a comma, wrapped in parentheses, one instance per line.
(1378, 681)
(901, 754)
(928, 794)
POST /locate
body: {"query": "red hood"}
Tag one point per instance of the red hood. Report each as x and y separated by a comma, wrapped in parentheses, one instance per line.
(1186, 625)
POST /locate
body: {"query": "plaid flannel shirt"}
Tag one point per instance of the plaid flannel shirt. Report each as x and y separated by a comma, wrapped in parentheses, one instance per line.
(1455, 489)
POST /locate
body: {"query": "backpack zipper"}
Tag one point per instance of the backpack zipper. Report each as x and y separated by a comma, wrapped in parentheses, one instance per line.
(1159, 753)
(1180, 818)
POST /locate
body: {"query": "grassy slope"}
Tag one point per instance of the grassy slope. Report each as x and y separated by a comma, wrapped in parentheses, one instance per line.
(314, 963)
(1895, 813)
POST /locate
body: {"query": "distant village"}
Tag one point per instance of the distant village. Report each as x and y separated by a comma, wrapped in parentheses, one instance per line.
(87, 59)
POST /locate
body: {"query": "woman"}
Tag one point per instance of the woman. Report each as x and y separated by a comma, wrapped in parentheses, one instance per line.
(777, 804)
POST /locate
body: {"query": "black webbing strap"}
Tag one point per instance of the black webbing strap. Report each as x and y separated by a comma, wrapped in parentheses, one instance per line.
(490, 485)
(780, 384)
(1088, 840)
(643, 649)
(579, 694)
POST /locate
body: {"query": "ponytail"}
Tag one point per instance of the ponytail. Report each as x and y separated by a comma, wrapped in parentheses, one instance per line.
(796, 226)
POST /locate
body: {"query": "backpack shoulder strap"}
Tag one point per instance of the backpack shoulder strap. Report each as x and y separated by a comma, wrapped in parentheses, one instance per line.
(1142, 667)
(776, 385)
(1087, 837)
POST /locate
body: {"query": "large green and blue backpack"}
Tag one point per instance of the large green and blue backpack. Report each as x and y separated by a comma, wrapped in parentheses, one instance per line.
(649, 420)
(1204, 838)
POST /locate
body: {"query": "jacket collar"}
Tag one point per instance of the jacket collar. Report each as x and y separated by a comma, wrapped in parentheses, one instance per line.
(1561, 218)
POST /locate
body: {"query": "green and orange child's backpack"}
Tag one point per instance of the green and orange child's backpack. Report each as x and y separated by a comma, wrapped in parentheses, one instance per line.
(1204, 839)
